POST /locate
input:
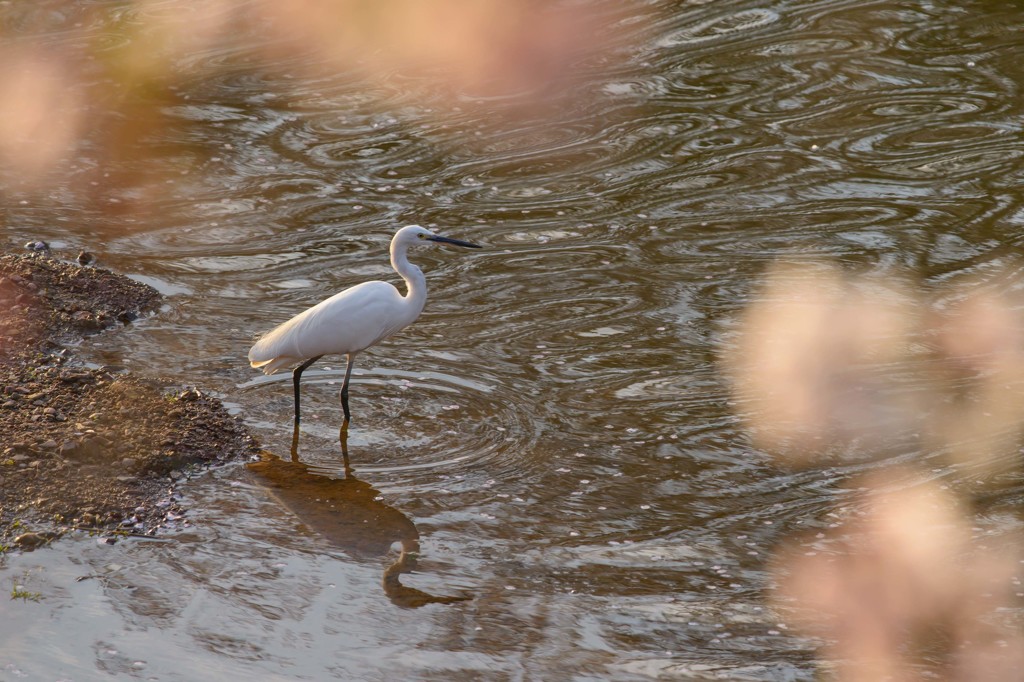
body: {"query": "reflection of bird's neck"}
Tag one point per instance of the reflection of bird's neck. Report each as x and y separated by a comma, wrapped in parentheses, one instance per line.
(413, 276)
(410, 597)
(406, 563)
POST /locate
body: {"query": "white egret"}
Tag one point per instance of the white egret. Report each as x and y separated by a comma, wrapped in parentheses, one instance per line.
(350, 321)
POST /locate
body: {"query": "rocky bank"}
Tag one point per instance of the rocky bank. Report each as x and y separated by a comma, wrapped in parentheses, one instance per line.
(84, 448)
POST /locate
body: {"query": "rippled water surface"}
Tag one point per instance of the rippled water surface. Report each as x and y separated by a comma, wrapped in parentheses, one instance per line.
(554, 432)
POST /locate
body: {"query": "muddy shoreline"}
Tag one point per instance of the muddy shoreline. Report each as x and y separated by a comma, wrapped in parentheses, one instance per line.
(84, 448)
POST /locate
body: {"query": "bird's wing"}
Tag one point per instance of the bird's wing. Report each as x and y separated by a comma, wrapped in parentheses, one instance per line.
(347, 322)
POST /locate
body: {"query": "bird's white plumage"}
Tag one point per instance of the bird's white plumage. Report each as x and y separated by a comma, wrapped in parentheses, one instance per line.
(348, 322)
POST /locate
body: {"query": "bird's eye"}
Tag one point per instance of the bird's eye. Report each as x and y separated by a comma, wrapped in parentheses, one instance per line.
(422, 236)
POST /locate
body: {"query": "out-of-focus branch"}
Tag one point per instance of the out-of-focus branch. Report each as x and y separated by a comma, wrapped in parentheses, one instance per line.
(827, 364)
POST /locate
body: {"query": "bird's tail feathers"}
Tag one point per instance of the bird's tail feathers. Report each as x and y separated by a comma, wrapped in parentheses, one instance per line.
(274, 364)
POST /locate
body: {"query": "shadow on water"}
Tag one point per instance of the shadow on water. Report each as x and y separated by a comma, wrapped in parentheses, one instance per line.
(348, 513)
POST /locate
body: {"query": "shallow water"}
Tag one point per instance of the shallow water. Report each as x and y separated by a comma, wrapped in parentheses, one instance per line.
(555, 428)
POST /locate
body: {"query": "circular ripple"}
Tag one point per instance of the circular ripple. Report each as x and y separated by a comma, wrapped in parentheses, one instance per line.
(412, 424)
(742, 22)
(950, 151)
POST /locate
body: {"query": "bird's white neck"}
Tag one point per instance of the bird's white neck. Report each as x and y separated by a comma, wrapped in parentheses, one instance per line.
(413, 276)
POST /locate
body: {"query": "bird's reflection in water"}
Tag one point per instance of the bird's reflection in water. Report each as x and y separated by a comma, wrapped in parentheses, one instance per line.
(349, 514)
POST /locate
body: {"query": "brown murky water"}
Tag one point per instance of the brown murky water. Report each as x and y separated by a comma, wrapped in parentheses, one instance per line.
(553, 435)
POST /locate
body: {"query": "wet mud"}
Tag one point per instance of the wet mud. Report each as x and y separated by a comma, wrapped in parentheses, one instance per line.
(82, 447)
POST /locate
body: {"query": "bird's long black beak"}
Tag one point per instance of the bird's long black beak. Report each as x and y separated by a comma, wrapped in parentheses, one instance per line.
(457, 242)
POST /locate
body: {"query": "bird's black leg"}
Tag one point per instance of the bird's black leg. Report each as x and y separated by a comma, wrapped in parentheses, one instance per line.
(343, 439)
(344, 391)
(295, 442)
(296, 375)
